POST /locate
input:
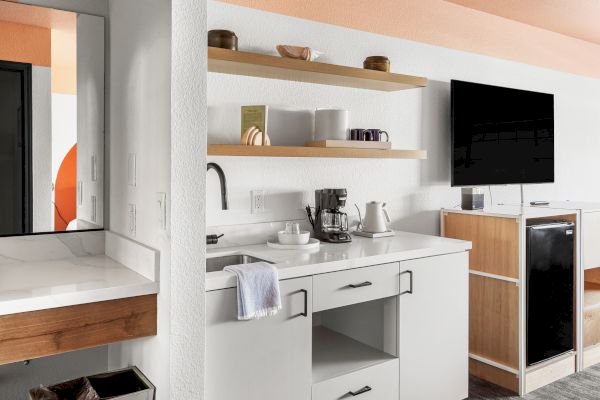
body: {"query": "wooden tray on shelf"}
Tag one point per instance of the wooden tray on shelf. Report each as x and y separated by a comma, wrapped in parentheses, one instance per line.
(349, 144)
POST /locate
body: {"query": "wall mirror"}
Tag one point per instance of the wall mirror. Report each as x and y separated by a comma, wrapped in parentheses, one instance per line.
(51, 120)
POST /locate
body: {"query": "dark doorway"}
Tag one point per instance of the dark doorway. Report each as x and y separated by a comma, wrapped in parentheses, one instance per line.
(15, 148)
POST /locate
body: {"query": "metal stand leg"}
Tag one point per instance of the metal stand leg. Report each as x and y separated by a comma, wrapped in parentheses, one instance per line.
(522, 196)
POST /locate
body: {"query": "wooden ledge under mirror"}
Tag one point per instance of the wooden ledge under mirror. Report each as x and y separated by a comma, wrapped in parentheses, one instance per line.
(35, 334)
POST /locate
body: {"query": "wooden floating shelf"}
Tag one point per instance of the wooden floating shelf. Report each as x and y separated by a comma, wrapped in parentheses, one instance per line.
(272, 67)
(301, 151)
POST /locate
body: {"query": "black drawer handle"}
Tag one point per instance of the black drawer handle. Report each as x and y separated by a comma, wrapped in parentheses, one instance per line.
(361, 391)
(409, 291)
(358, 285)
(305, 313)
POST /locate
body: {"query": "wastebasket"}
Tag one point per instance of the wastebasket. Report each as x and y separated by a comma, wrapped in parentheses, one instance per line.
(124, 384)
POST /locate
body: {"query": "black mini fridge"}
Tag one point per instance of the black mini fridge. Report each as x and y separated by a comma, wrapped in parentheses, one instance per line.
(549, 287)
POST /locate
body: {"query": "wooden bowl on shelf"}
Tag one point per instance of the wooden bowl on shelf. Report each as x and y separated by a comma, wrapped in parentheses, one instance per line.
(377, 63)
(223, 39)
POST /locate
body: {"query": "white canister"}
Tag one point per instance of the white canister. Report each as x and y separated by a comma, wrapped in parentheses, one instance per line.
(331, 124)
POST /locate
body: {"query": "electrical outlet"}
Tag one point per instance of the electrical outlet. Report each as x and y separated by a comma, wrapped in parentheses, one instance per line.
(161, 202)
(131, 218)
(258, 201)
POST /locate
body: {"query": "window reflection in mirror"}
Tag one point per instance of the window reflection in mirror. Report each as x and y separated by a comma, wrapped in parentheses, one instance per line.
(51, 120)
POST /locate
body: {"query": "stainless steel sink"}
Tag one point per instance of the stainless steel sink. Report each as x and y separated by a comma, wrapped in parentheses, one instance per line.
(218, 263)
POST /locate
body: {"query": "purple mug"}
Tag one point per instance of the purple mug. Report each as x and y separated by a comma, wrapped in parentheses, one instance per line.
(375, 135)
(357, 134)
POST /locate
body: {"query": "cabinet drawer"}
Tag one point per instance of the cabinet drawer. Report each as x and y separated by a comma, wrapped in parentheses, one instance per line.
(379, 382)
(342, 288)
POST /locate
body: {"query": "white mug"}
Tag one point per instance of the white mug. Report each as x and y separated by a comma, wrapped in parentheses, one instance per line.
(331, 124)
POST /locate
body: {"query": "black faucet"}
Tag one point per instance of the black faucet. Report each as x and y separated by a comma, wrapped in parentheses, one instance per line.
(213, 239)
(222, 181)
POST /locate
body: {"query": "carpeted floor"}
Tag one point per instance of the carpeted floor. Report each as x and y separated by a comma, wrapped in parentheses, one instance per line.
(584, 385)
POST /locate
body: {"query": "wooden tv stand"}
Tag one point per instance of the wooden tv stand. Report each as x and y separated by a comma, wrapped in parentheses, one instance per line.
(497, 296)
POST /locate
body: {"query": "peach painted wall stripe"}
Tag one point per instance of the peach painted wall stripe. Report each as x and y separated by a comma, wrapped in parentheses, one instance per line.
(448, 25)
(25, 43)
(64, 58)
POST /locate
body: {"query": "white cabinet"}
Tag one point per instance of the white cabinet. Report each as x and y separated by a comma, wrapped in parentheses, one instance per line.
(258, 360)
(420, 352)
(433, 328)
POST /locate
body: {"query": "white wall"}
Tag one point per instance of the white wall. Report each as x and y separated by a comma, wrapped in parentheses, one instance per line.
(188, 184)
(41, 132)
(140, 123)
(64, 124)
(414, 190)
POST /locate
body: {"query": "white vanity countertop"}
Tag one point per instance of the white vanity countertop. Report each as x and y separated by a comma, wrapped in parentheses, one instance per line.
(361, 252)
(40, 285)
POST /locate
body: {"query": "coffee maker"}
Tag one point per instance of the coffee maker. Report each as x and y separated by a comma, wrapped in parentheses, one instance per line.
(330, 224)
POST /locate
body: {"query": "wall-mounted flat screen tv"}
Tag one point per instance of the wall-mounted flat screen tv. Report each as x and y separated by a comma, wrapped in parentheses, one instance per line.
(501, 136)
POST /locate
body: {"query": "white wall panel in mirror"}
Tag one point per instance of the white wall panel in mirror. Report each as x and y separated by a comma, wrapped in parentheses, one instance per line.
(51, 120)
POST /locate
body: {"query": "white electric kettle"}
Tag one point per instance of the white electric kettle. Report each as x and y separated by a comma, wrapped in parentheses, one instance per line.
(376, 217)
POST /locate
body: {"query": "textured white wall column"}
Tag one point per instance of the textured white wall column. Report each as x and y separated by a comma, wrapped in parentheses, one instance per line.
(140, 124)
(188, 183)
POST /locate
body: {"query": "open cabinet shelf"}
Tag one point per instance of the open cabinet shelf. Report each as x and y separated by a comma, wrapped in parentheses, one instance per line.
(265, 66)
(335, 354)
(301, 151)
(591, 295)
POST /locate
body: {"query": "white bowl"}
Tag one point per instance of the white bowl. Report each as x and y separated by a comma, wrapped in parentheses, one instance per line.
(291, 238)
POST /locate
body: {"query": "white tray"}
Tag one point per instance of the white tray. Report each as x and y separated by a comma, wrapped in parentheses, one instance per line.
(312, 244)
(374, 235)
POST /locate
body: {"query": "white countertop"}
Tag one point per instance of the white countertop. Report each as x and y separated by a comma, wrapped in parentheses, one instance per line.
(361, 252)
(569, 205)
(513, 211)
(29, 286)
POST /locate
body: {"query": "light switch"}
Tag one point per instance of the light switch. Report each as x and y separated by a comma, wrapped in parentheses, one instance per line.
(161, 203)
(131, 169)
